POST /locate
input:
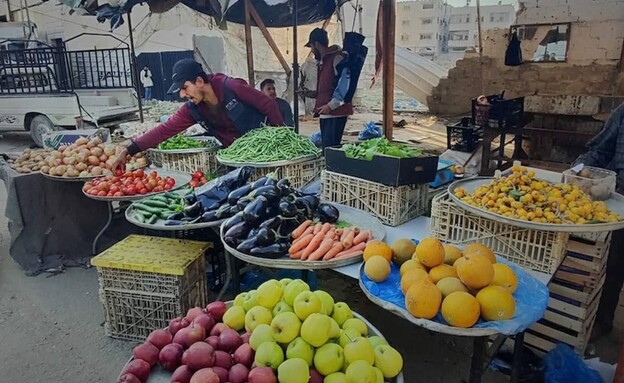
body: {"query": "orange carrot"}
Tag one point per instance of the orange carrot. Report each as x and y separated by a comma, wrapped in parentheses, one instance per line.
(313, 245)
(317, 228)
(301, 229)
(361, 237)
(301, 244)
(348, 241)
(345, 231)
(358, 247)
(296, 255)
(307, 231)
(325, 228)
(330, 233)
(336, 248)
(349, 255)
(356, 230)
(325, 246)
(339, 232)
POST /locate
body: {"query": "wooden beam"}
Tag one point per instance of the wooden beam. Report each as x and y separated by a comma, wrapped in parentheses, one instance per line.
(389, 18)
(265, 32)
(248, 42)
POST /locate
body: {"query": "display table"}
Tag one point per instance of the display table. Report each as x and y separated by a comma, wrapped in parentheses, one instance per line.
(52, 224)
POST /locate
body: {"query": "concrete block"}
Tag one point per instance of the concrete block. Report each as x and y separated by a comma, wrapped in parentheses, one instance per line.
(547, 14)
(597, 10)
(565, 105)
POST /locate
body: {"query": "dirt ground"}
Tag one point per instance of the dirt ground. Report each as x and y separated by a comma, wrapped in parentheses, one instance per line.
(51, 326)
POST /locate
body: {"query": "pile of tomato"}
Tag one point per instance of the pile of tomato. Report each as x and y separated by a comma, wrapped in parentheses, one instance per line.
(198, 179)
(128, 184)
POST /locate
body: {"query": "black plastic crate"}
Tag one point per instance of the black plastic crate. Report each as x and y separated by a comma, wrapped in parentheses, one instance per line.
(464, 136)
(501, 113)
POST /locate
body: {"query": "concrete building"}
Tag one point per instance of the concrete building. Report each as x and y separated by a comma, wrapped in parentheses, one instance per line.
(421, 26)
(463, 26)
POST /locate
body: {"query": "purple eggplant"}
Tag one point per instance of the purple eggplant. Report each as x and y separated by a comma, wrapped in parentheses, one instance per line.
(274, 251)
(328, 213)
(239, 231)
(255, 212)
(246, 245)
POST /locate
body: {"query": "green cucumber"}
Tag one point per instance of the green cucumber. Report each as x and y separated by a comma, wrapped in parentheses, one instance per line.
(155, 203)
(153, 219)
(147, 209)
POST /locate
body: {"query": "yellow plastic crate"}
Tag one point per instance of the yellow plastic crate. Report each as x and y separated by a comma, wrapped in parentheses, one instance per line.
(151, 254)
(147, 281)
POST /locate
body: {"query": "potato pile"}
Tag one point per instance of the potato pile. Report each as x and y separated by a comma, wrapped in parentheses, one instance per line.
(31, 160)
(86, 158)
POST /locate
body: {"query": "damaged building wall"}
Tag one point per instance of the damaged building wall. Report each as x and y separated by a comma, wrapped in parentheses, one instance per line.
(594, 51)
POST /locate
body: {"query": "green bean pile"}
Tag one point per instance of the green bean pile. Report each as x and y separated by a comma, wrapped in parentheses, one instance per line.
(269, 145)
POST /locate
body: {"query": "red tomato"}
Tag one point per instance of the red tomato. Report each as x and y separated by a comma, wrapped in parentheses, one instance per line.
(154, 174)
(118, 173)
(203, 180)
(198, 175)
(193, 183)
(149, 187)
(139, 185)
(157, 189)
(143, 191)
(103, 186)
(93, 191)
(139, 173)
(161, 183)
(116, 179)
(128, 175)
(131, 190)
(152, 182)
(109, 194)
(168, 187)
(101, 193)
(170, 181)
(114, 188)
(118, 194)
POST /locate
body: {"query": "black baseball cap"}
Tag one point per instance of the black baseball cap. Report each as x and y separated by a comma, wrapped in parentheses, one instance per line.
(318, 35)
(183, 71)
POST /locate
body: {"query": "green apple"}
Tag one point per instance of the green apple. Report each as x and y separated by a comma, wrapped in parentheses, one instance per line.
(234, 317)
(269, 293)
(285, 281)
(336, 377)
(380, 377)
(282, 307)
(306, 304)
(328, 358)
(299, 348)
(269, 354)
(334, 330)
(315, 329)
(341, 313)
(347, 336)
(376, 341)
(293, 289)
(257, 315)
(240, 298)
(357, 324)
(293, 371)
(262, 333)
(359, 349)
(326, 300)
(388, 360)
(361, 371)
(285, 327)
(250, 300)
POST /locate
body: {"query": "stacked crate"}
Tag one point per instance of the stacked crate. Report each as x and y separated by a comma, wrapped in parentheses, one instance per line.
(575, 292)
(147, 281)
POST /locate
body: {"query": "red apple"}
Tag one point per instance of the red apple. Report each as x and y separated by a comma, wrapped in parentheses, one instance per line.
(199, 355)
(244, 355)
(315, 376)
(171, 356)
(218, 328)
(222, 372)
(147, 352)
(213, 340)
(206, 321)
(129, 378)
(192, 313)
(216, 310)
(262, 375)
(229, 340)
(238, 373)
(245, 337)
(138, 368)
(160, 338)
(205, 375)
(182, 374)
(223, 359)
(176, 324)
(192, 334)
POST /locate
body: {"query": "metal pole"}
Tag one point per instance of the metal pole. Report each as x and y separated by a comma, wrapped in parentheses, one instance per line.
(295, 68)
(133, 68)
(480, 43)
(249, 44)
(389, 16)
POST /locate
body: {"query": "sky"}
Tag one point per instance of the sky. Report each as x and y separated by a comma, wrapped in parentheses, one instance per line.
(461, 3)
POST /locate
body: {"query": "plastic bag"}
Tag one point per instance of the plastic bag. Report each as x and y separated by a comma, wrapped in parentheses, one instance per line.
(370, 131)
(217, 190)
(564, 365)
(316, 139)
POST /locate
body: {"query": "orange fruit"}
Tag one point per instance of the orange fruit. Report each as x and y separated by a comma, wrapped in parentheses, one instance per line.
(504, 276)
(475, 271)
(481, 249)
(430, 252)
(442, 271)
(375, 247)
(460, 309)
(496, 303)
(411, 277)
(451, 254)
(377, 268)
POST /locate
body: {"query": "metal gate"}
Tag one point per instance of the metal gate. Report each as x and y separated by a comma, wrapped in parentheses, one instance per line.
(161, 66)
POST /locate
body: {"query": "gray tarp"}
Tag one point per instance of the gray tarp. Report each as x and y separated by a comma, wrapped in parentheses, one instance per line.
(53, 224)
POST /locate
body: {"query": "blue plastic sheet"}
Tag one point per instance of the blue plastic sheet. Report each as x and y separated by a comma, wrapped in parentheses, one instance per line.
(369, 131)
(563, 365)
(531, 299)
(316, 139)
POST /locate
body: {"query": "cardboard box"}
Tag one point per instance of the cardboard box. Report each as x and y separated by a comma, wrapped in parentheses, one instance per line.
(390, 171)
(67, 137)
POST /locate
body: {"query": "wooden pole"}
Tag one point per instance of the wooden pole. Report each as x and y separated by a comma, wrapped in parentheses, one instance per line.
(389, 17)
(265, 32)
(295, 67)
(480, 44)
(133, 66)
(249, 43)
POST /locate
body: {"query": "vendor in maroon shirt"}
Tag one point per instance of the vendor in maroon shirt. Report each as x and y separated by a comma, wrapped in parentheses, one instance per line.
(226, 107)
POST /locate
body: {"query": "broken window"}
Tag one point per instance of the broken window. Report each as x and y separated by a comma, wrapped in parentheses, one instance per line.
(544, 42)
